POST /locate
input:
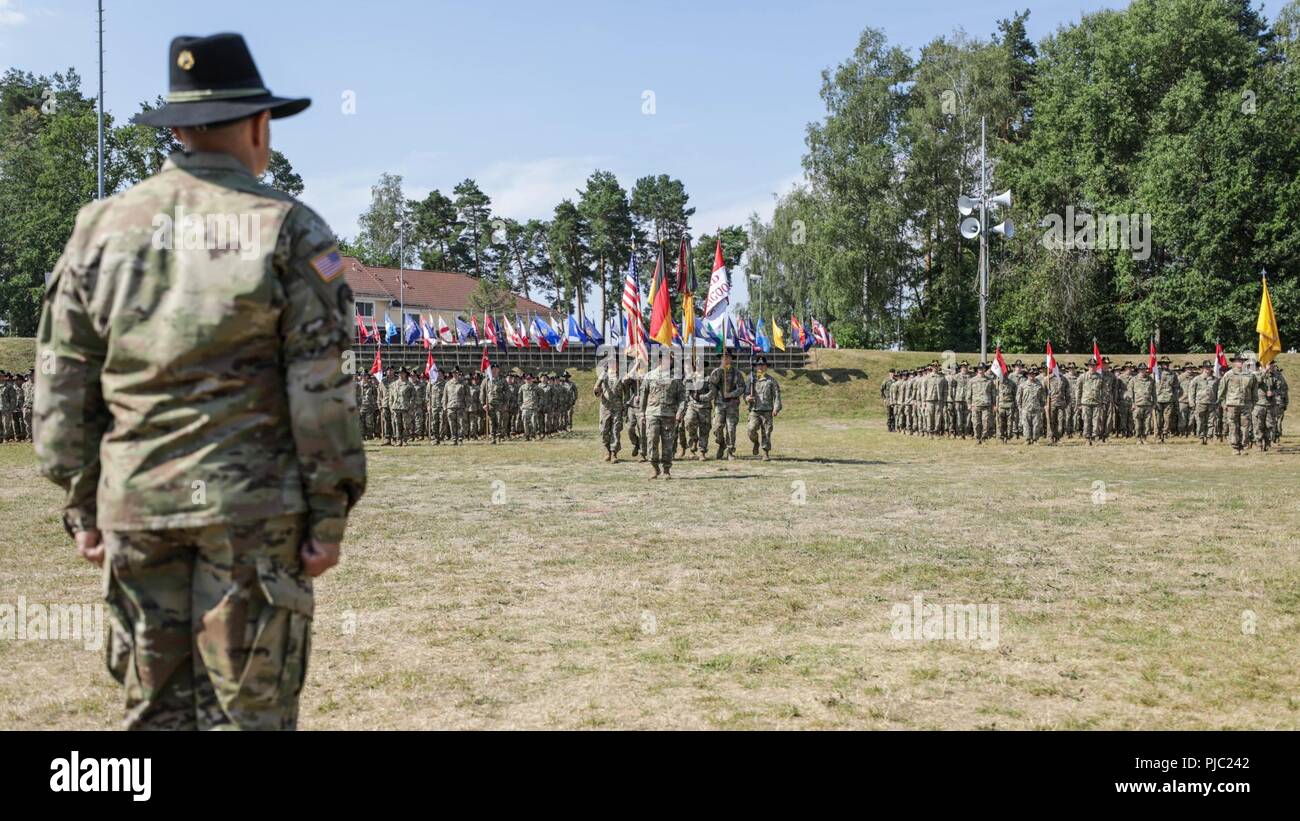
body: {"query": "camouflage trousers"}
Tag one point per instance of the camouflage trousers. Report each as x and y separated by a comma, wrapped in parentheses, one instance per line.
(1142, 421)
(210, 628)
(760, 429)
(1203, 421)
(933, 417)
(1236, 418)
(1006, 422)
(1093, 419)
(459, 423)
(1031, 422)
(1058, 422)
(496, 420)
(1166, 418)
(611, 428)
(982, 419)
(698, 423)
(8, 426)
(725, 418)
(27, 421)
(532, 423)
(403, 424)
(370, 422)
(386, 423)
(1262, 424)
(661, 431)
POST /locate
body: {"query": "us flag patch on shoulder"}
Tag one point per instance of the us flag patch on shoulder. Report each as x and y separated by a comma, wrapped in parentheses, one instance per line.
(329, 264)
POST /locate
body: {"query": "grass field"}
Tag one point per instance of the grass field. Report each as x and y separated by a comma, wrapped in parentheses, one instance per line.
(534, 585)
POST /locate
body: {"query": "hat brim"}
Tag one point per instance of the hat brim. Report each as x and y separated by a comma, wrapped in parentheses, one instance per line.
(207, 112)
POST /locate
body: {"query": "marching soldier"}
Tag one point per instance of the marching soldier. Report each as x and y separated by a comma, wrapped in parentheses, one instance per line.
(403, 395)
(1058, 406)
(456, 399)
(529, 402)
(1203, 394)
(764, 401)
(981, 398)
(1006, 406)
(698, 418)
(727, 386)
(661, 393)
(612, 391)
(210, 595)
(494, 396)
(1032, 400)
(1142, 398)
(1091, 387)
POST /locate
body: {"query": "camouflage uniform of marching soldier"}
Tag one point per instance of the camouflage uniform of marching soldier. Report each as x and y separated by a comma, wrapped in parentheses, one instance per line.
(1203, 394)
(514, 420)
(661, 394)
(29, 399)
(1075, 425)
(957, 399)
(1092, 385)
(764, 400)
(456, 399)
(1184, 400)
(934, 393)
(1123, 425)
(727, 385)
(419, 418)
(198, 415)
(1106, 400)
(494, 394)
(1142, 393)
(1237, 390)
(981, 395)
(885, 397)
(612, 392)
(369, 406)
(1262, 413)
(572, 402)
(698, 418)
(896, 402)
(1017, 377)
(1058, 406)
(433, 391)
(634, 411)
(473, 407)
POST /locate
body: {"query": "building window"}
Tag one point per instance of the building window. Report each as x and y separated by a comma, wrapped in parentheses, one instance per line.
(366, 309)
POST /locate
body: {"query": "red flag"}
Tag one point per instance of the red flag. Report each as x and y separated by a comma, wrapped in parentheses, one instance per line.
(377, 367)
(1096, 356)
(1051, 361)
(431, 368)
(999, 364)
(484, 363)
(1220, 361)
(365, 335)
(661, 309)
(1152, 365)
(374, 329)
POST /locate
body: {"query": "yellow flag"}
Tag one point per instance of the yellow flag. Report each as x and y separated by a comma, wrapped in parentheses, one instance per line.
(1270, 341)
(778, 338)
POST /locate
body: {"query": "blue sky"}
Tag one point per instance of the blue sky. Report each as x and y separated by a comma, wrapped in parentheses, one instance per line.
(526, 97)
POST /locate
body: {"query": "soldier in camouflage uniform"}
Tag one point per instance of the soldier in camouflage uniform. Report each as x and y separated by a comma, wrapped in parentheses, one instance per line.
(661, 394)
(727, 386)
(29, 395)
(1006, 406)
(10, 404)
(1167, 390)
(1281, 396)
(211, 469)
(980, 396)
(1032, 401)
(529, 402)
(613, 392)
(957, 398)
(402, 403)
(386, 405)
(1058, 406)
(698, 417)
(456, 400)
(1237, 391)
(1184, 399)
(1142, 393)
(1203, 394)
(1262, 418)
(369, 406)
(1092, 386)
(764, 401)
(493, 395)
(433, 393)
(885, 397)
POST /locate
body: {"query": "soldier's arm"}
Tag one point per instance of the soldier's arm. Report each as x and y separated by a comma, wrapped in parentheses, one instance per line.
(776, 398)
(69, 414)
(314, 340)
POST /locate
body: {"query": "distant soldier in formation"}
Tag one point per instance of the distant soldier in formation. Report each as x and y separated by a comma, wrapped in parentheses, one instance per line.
(1203, 395)
(661, 394)
(369, 404)
(1237, 392)
(10, 407)
(1031, 399)
(886, 398)
(613, 392)
(1143, 399)
(982, 397)
(727, 386)
(698, 417)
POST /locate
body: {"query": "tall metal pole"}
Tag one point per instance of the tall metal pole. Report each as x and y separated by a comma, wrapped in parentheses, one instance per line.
(984, 250)
(100, 186)
(401, 273)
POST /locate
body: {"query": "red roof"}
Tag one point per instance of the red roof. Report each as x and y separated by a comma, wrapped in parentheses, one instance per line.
(430, 290)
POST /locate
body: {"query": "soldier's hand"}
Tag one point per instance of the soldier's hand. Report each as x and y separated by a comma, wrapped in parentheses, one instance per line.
(90, 546)
(318, 556)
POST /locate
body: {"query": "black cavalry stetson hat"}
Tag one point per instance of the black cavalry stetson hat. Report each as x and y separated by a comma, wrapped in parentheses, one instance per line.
(213, 80)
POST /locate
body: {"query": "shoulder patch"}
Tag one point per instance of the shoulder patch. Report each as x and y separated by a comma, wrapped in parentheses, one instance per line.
(328, 265)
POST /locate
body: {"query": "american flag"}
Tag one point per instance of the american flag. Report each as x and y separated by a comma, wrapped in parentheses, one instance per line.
(635, 340)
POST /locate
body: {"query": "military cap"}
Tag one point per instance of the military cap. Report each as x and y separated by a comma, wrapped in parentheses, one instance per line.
(1237, 357)
(211, 80)
(761, 360)
(1164, 360)
(565, 374)
(1017, 364)
(1142, 366)
(1207, 364)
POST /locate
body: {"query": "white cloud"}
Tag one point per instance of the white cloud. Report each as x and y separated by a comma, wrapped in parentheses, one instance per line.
(10, 15)
(532, 189)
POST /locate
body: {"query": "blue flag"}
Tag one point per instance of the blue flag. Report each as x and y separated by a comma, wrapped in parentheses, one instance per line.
(760, 339)
(464, 331)
(412, 332)
(576, 334)
(594, 336)
(390, 331)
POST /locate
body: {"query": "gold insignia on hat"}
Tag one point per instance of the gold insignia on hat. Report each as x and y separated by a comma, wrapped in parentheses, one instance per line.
(185, 60)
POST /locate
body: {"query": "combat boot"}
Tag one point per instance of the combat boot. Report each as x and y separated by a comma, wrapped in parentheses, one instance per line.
(755, 449)
(720, 454)
(655, 465)
(609, 455)
(667, 472)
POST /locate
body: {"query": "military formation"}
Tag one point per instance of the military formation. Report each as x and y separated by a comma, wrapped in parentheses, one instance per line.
(405, 407)
(1244, 406)
(17, 396)
(667, 416)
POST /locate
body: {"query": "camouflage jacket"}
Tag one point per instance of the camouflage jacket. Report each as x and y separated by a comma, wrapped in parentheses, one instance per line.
(29, 394)
(612, 390)
(728, 385)
(493, 393)
(1204, 390)
(1142, 391)
(981, 392)
(197, 380)
(8, 397)
(1237, 388)
(1167, 389)
(529, 396)
(1032, 396)
(1091, 387)
(766, 393)
(661, 393)
(369, 396)
(456, 395)
(403, 396)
